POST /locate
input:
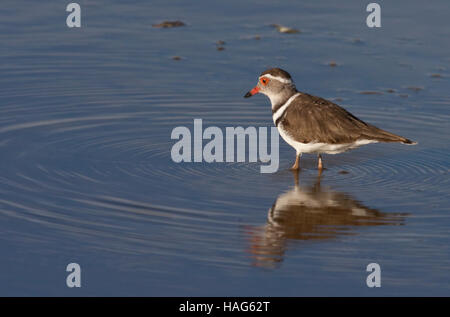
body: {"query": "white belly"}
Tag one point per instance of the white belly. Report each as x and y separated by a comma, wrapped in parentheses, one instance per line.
(318, 147)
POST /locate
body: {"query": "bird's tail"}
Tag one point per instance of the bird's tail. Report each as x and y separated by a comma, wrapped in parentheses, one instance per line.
(409, 142)
(380, 135)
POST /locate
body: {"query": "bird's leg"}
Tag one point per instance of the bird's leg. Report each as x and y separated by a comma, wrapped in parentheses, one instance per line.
(295, 177)
(320, 164)
(296, 165)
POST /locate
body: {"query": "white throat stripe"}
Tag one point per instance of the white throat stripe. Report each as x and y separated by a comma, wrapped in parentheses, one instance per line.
(283, 80)
(283, 108)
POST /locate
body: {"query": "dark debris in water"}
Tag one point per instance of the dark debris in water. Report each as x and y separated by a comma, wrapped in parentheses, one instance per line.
(220, 45)
(390, 90)
(332, 64)
(371, 93)
(343, 172)
(414, 88)
(357, 41)
(285, 29)
(169, 24)
(436, 75)
(176, 58)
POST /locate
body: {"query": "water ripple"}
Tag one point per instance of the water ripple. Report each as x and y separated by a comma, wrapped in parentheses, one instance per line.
(102, 173)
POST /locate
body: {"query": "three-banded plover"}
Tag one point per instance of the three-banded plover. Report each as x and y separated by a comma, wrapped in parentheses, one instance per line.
(312, 124)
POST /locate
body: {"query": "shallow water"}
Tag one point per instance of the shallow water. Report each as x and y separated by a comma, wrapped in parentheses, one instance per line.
(86, 174)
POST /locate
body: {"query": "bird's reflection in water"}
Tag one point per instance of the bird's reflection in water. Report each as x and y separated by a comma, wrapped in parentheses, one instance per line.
(311, 213)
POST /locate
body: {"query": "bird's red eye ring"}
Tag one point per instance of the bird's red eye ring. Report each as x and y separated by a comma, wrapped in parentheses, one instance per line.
(264, 80)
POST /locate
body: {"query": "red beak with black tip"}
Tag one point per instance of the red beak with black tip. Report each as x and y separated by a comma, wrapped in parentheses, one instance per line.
(252, 92)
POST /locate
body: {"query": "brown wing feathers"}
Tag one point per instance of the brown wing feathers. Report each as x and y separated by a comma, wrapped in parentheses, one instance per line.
(313, 119)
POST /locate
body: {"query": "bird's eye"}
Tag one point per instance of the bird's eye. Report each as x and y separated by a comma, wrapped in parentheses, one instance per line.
(264, 81)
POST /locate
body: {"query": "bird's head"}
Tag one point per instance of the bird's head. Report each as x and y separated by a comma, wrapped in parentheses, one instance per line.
(275, 83)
